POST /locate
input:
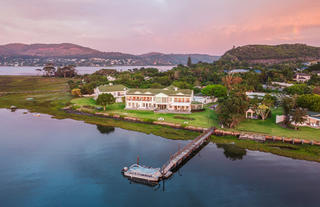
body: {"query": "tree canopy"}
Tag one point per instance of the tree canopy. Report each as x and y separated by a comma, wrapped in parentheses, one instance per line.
(216, 90)
(105, 99)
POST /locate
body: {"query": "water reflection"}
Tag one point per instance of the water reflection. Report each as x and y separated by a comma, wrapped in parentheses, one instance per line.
(232, 151)
(105, 129)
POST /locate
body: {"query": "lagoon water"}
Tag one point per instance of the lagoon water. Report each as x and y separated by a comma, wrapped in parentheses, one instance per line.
(49, 162)
(31, 71)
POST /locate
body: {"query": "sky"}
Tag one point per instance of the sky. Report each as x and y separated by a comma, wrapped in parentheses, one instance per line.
(168, 26)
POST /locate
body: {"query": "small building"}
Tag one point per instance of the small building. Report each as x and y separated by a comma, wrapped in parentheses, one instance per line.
(170, 99)
(118, 91)
(238, 71)
(302, 77)
(312, 119)
(253, 95)
(111, 78)
(251, 114)
(199, 97)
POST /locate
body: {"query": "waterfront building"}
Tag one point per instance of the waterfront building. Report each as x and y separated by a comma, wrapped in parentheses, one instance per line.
(118, 91)
(170, 99)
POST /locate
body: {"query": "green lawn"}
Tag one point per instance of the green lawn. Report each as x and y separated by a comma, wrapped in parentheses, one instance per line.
(205, 118)
(270, 127)
(208, 118)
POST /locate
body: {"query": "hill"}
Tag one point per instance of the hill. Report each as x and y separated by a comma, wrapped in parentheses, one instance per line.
(67, 53)
(270, 54)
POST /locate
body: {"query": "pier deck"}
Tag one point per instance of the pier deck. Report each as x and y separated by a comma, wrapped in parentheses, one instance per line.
(139, 173)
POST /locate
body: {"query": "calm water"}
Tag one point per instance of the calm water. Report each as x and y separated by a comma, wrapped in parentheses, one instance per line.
(49, 162)
(7, 70)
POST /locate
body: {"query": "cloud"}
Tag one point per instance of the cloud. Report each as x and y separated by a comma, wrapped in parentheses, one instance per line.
(139, 26)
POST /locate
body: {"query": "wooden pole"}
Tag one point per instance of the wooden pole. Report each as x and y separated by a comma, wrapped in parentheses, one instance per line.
(138, 160)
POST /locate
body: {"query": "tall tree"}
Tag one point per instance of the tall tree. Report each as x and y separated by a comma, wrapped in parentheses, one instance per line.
(189, 63)
(298, 116)
(288, 104)
(231, 81)
(66, 71)
(231, 110)
(105, 99)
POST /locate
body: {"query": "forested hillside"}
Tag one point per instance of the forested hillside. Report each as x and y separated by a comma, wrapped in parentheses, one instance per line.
(270, 54)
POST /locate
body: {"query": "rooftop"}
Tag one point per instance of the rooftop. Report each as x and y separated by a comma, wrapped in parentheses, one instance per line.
(239, 71)
(170, 91)
(110, 88)
(313, 114)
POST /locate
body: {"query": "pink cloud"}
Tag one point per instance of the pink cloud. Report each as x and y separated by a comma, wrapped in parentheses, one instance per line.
(139, 26)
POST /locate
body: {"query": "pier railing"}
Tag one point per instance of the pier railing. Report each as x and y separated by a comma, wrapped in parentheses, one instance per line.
(194, 144)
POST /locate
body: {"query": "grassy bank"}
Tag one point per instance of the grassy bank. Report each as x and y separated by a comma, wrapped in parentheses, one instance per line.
(235, 148)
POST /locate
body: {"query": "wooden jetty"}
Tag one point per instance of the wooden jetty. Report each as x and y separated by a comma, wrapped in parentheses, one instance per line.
(147, 174)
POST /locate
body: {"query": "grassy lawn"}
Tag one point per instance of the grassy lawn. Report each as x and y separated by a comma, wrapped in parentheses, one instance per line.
(42, 100)
(208, 118)
(205, 118)
(270, 127)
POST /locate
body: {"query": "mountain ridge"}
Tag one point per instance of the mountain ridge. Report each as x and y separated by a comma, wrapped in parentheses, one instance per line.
(21, 52)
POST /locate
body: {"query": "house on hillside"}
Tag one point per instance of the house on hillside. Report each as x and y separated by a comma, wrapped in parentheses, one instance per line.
(118, 91)
(170, 99)
(311, 62)
(302, 77)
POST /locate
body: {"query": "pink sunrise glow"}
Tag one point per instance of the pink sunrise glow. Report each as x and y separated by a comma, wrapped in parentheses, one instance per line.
(170, 26)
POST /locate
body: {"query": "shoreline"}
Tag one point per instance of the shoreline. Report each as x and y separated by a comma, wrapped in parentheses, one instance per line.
(218, 132)
(300, 152)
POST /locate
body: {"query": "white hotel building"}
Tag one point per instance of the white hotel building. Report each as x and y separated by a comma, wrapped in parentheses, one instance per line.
(170, 99)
